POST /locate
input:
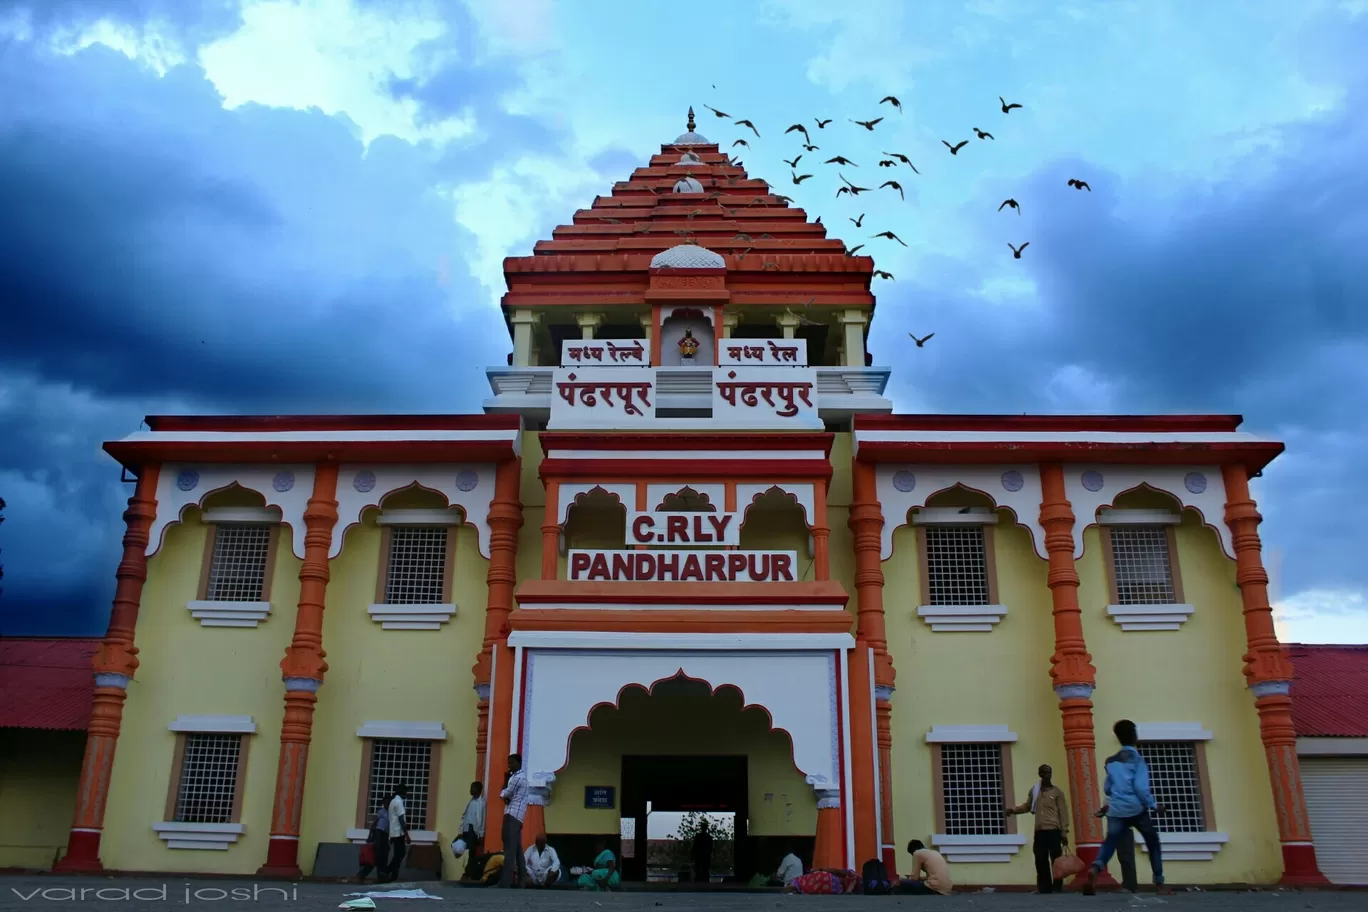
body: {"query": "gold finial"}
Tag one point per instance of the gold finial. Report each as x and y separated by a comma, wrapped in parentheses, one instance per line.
(691, 119)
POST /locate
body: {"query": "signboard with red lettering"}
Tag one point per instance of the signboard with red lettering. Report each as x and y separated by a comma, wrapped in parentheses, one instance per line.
(746, 397)
(681, 566)
(718, 529)
(762, 353)
(605, 353)
(602, 398)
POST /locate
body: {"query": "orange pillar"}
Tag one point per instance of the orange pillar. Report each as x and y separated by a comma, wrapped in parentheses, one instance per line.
(302, 669)
(505, 519)
(500, 736)
(551, 530)
(1268, 673)
(826, 849)
(1071, 667)
(821, 532)
(114, 666)
(866, 525)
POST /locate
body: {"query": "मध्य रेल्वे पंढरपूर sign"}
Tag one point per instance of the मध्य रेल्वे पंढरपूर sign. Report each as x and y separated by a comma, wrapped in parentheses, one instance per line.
(683, 566)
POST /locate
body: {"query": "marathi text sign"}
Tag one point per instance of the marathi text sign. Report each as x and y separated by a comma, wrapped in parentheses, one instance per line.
(762, 353)
(606, 353)
(683, 529)
(680, 566)
(764, 397)
(598, 397)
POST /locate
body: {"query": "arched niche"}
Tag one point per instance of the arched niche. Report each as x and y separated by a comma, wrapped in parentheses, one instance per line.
(674, 323)
(183, 487)
(363, 488)
(687, 500)
(1199, 489)
(774, 520)
(596, 520)
(1013, 490)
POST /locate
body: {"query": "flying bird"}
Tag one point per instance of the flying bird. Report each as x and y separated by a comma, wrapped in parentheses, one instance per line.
(747, 123)
(1079, 185)
(809, 147)
(850, 251)
(889, 99)
(798, 128)
(1010, 202)
(856, 222)
(799, 178)
(890, 235)
(921, 343)
(880, 274)
(867, 124)
(954, 150)
(840, 160)
(740, 142)
(717, 112)
(888, 163)
(1007, 108)
(794, 163)
(983, 134)
(1016, 251)
(895, 185)
(905, 160)
(821, 124)
(840, 190)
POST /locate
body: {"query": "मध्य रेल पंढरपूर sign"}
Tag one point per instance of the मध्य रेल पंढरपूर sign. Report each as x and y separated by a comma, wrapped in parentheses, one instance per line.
(612, 398)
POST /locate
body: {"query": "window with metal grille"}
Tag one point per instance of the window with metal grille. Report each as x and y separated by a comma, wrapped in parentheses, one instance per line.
(972, 791)
(237, 569)
(395, 761)
(417, 565)
(956, 565)
(1176, 783)
(208, 781)
(1143, 565)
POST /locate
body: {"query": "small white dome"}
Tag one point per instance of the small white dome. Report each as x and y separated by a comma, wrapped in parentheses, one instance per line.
(687, 185)
(688, 256)
(689, 160)
(692, 139)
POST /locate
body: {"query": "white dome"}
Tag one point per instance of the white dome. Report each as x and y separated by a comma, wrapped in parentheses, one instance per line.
(688, 256)
(689, 160)
(687, 185)
(692, 139)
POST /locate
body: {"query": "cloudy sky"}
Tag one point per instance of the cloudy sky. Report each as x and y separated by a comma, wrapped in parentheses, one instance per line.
(302, 205)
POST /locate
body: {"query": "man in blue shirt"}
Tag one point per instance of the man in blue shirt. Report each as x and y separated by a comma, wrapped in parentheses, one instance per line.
(1129, 804)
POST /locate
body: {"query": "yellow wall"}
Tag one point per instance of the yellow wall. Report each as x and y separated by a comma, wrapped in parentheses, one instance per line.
(682, 721)
(1002, 677)
(39, 773)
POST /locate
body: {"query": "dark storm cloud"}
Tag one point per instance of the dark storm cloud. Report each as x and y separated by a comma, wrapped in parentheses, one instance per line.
(1249, 295)
(159, 253)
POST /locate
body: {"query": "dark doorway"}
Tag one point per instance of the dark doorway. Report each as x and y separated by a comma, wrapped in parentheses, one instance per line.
(685, 783)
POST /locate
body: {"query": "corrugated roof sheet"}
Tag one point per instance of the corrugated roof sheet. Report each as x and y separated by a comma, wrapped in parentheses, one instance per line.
(47, 682)
(1330, 693)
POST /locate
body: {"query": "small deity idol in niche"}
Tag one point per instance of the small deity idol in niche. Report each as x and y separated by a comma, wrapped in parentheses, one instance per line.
(688, 346)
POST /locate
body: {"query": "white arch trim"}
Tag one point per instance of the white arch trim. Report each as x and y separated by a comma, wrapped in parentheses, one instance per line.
(180, 486)
(470, 487)
(716, 493)
(923, 481)
(804, 494)
(1200, 488)
(797, 688)
(626, 492)
(669, 310)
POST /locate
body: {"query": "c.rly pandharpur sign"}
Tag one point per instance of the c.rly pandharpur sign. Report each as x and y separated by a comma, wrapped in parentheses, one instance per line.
(683, 530)
(609, 384)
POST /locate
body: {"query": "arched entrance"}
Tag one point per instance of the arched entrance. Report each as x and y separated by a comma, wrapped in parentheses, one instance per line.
(761, 716)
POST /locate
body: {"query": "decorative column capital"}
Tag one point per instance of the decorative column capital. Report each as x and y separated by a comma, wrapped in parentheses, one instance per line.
(883, 693)
(1270, 688)
(852, 316)
(525, 317)
(1074, 691)
(788, 320)
(539, 787)
(730, 320)
(482, 691)
(112, 679)
(589, 321)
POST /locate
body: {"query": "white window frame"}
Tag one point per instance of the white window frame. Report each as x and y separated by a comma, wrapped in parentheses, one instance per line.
(211, 612)
(205, 836)
(958, 618)
(1190, 846)
(983, 848)
(428, 616)
(1143, 617)
(433, 733)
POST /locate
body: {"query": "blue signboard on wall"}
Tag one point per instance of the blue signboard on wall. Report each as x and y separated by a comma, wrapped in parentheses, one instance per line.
(600, 796)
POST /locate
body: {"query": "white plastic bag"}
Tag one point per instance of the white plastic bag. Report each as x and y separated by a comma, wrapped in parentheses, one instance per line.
(458, 847)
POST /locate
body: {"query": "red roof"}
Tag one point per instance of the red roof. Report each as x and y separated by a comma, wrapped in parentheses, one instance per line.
(1330, 695)
(47, 683)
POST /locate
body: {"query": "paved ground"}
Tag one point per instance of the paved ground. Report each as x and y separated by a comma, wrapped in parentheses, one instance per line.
(28, 894)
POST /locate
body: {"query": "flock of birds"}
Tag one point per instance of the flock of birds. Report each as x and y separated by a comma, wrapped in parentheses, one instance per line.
(851, 190)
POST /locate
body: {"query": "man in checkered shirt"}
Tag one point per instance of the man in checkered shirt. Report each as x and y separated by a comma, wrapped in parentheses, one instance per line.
(514, 795)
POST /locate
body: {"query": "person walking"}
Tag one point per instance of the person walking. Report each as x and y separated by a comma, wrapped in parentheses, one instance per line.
(514, 795)
(702, 853)
(1129, 804)
(398, 832)
(377, 841)
(1051, 810)
(473, 820)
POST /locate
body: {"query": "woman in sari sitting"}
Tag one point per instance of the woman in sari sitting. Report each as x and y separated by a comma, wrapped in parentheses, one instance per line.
(824, 881)
(604, 874)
